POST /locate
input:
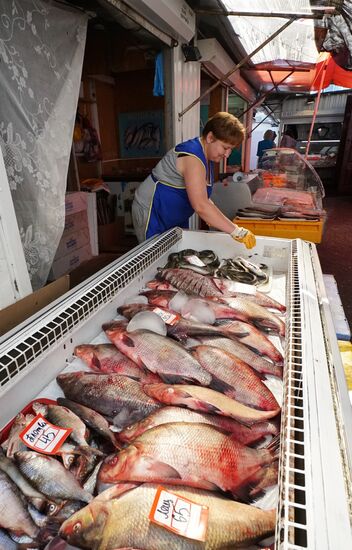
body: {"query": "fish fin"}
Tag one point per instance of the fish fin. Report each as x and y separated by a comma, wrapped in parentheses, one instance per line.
(116, 490)
(88, 451)
(96, 363)
(274, 446)
(127, 341)
(170, 378)
(241, 494)
(160, 469)
(220, 386)
(209, 408)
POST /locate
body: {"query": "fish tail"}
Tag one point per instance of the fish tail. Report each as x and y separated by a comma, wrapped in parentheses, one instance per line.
(274, 447)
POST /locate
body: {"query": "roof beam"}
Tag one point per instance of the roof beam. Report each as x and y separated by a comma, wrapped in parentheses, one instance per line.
(238, 66)
(283, 15)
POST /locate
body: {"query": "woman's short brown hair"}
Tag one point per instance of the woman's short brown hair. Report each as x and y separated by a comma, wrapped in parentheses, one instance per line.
(225, 127)
(269, 134)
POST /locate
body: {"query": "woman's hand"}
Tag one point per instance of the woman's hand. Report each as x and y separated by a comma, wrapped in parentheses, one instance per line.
(243, 235)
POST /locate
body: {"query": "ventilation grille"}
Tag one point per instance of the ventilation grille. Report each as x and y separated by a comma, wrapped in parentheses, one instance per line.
(291, 528)
(55, 327)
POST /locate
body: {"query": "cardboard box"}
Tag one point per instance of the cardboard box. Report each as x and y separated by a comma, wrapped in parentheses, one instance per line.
(110, 234)
(72, 241)
(75, 202)
(69, 262)
(75, 222)
(21, 310)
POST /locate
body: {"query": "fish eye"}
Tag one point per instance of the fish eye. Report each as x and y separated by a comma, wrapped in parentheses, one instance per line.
(52, 508)
(77, 527)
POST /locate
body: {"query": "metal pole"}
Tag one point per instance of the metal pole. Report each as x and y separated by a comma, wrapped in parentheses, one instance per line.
(316, 107)
(264, 95)
(238, 66)
(257, 126)
(282, 15)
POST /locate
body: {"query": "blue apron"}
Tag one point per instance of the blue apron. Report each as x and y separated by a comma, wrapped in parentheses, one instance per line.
(170, 206)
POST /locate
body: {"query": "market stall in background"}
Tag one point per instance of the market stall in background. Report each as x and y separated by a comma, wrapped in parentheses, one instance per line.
(141, 386)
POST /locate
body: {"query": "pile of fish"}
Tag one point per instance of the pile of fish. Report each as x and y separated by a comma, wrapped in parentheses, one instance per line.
(206, 262)
(180, 397)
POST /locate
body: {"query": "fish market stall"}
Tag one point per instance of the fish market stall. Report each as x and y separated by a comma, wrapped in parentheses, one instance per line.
(313, 499)
(282, 199)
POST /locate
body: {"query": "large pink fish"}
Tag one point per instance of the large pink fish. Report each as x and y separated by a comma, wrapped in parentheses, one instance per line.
(117, 397)
(185, 328)
(185, 453)
(158, 354)
(107, 358)
(240, 381)
(241, 308)
(235, 347)
(206, 400)
(247, 435)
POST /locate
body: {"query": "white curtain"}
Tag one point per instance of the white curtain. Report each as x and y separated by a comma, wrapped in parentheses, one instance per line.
(296, 43)
(41, 55)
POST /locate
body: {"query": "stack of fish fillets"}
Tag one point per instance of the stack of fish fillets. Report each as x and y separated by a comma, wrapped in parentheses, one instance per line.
(183, 394)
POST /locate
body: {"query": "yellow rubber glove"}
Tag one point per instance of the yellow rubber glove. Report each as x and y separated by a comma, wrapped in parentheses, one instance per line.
(244, 236)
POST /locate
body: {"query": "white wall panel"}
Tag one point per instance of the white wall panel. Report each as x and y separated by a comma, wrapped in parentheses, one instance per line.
(331, 107)
(14, 277)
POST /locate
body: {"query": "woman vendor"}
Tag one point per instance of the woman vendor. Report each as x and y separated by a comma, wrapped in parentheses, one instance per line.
(181, 184)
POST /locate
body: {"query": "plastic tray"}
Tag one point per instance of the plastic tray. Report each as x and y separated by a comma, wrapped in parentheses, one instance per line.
(287, 229)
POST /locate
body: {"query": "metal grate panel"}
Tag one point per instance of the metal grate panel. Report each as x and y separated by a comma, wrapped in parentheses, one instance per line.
(291, 528)
(17, 353)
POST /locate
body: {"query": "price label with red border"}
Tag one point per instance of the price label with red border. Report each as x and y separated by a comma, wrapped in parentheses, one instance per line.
(167, 316)
(44, 437)
(179, 515)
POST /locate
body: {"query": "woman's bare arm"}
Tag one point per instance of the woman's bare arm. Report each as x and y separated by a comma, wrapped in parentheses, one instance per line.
(195, 181)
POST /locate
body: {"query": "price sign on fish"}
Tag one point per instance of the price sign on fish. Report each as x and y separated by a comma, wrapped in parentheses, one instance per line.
(44, 437)
(179, 515)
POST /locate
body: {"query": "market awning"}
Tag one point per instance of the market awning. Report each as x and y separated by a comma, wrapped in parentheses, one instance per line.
(293, 53)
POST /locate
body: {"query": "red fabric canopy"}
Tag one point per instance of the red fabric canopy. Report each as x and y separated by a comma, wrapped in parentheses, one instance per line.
(304, 78)
(334, 74)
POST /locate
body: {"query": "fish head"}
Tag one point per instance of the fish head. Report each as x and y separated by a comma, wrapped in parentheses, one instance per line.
(115, 329)
(159, 297)
(134, 430)
(130, 310)
(84, 351)
(118, 466)
(85, 528)
(161, 392)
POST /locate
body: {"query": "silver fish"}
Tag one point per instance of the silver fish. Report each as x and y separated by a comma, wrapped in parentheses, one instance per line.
(91, 418)
(50, 477)
(14, 515)
(10, 468)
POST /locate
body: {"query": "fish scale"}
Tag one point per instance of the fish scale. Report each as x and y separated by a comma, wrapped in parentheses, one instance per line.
(123, 522)
(244, 434)
(235, 347)
(193, 454)
(243, 384)
(108, 394)
(157, 353)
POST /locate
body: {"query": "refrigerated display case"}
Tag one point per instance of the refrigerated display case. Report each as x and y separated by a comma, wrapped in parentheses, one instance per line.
(315, 490)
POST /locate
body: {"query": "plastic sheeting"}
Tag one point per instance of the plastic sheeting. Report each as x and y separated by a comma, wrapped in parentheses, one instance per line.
(339, 36)
(41, 54)
(296, 43)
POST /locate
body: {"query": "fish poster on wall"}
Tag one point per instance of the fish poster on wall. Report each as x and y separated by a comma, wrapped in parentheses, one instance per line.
(141, 134)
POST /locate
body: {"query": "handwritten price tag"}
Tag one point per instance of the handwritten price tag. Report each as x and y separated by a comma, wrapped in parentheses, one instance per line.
(168, 317)
(179, 515)
(42, 436)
